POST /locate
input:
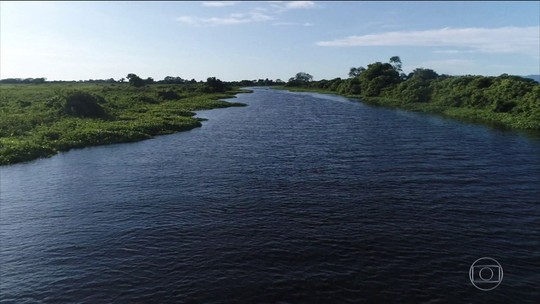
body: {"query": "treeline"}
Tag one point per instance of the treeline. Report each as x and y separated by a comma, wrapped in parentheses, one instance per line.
(23, 80)
(385, 83)
(138, 81)
(212, 84)
(149, 80)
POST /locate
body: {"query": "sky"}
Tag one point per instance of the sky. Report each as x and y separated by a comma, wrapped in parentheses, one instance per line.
(236, 40)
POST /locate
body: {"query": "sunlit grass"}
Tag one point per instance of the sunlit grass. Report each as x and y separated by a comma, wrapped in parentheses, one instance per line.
(33, 123)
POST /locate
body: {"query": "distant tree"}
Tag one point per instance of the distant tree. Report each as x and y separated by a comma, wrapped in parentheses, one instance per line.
(355, 72)
(246, 83)
(350, 86)
(300, 79)
(26, 80)
(149, 80)
(214, 85)
(395, 61)
(121, 80)
(172, 80)
(423, 74)
(265, 82)
(135, 80)
(377, 77)
(303, 77)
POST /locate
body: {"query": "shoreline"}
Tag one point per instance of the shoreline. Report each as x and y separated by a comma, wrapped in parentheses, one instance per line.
(469, 115)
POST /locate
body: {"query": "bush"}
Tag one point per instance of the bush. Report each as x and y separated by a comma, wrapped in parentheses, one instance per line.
(82, 104)
(146, 99)
(169, 95)
(214, 85)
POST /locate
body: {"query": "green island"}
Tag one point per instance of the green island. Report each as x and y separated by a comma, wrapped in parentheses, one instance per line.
(40, 119)
(505, 100)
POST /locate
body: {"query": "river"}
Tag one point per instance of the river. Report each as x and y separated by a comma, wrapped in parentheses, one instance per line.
(296, 198)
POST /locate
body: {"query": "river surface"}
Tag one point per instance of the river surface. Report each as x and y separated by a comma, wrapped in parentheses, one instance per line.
(296, 198)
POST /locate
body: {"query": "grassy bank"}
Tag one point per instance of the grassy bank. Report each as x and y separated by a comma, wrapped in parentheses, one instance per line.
(505, 100)
(39, 120)
(484, 116)
(526, 120)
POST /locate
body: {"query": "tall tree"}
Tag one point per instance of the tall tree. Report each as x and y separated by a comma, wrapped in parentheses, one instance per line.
(395, 61)
(303, 77)
(355, 72)
(377, 77)
(135, 80)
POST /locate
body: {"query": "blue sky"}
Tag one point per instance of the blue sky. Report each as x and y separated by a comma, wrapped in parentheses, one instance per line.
(273, 39)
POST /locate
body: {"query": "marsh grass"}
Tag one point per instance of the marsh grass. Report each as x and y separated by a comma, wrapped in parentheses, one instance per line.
(36, 120)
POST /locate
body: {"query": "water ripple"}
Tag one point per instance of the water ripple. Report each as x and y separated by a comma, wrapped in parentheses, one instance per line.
(297, 198)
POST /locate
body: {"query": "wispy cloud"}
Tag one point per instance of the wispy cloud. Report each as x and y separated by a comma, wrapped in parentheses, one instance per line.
(524, 40)
(218, 3)
(299, 4)
(306, 24)
(283, 6)
(228, 20)
(270, 11)
(453, 51)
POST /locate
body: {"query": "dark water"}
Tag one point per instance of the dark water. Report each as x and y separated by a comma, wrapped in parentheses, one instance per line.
(297, 198)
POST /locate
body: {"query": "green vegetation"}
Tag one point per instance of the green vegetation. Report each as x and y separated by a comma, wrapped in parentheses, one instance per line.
(510, 101)
(40, 119)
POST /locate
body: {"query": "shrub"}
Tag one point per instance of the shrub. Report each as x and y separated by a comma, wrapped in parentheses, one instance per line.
(82, 104)
(169, 95)
(146, 99)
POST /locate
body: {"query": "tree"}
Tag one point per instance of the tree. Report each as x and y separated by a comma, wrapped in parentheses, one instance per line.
(299, 79)
(424, 74)
(395, 61)
(350, 87)
(214, 85)
(172, 80)
(135, 80)
(377, 77)
(303, 77)
(355, 72)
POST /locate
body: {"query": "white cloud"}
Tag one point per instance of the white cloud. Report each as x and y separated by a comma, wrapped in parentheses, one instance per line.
(229, 20)
(299, 4)
(283, 6)
(453, 51)
(524, 40)
(218, 3)
(188, 20)
(306, 24)
(258, 14)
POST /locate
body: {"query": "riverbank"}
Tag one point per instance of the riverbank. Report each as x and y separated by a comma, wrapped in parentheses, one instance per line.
(41, 120)
(484, 116)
